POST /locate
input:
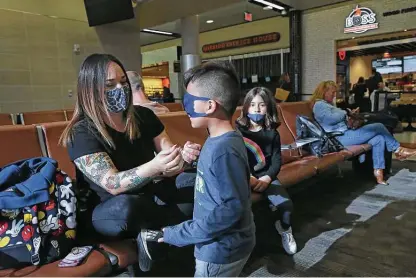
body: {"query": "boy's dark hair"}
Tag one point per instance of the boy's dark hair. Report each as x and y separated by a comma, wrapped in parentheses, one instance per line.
(217, 80)
(271, 120)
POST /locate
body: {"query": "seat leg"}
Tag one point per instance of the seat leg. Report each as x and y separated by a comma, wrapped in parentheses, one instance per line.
(134, 270)
(340, 173)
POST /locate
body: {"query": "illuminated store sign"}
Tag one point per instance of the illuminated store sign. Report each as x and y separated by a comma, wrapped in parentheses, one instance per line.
(360, 20)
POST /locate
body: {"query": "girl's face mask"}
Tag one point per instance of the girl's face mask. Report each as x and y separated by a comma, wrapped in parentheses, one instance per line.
(257, 118)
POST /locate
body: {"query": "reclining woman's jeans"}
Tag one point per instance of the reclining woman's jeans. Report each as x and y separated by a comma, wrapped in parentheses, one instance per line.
(126, 214)
(377, 136)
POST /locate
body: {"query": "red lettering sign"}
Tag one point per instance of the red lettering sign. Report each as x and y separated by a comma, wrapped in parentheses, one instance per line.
(242, 42)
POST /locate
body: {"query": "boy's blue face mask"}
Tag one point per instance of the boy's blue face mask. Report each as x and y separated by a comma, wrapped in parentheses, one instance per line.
(257, 118)
(188, 105)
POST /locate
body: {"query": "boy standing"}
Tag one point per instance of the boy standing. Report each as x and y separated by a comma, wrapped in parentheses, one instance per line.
(222, 228)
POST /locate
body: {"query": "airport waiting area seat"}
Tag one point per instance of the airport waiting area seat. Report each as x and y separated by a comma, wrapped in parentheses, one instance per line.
(6, 119)
(40, 117)
(174, 106)
(25, 141)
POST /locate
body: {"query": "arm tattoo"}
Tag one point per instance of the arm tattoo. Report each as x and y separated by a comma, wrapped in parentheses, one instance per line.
(113, 182)
(98, 167)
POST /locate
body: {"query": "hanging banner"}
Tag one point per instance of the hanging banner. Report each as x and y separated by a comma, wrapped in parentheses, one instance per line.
(360, 20)
(242, 42)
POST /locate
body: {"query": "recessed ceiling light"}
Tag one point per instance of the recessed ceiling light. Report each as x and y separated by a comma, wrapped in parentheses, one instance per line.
(268, 8)
(268, 3)
(157, 32)
(210, 21)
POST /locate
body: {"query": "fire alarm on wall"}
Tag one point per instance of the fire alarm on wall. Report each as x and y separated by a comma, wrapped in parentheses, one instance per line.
(248, 16)
(77, 49)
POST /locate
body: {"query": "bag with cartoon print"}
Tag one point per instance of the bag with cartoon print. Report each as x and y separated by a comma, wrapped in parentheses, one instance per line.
(37, 213)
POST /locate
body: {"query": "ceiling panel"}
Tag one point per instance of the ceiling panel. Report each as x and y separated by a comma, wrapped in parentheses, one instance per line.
(224, 17)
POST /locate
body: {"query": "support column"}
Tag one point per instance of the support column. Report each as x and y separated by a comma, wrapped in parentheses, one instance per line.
(122, 39)
(296, 53)
(190, 42)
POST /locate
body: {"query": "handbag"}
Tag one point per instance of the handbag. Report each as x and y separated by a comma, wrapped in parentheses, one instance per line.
(355, 121)
(386, 117)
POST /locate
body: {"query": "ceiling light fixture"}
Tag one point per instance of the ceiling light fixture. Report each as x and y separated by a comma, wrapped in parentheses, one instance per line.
(158, 32)
(210, 21)
(267, 3)
(405, 30)
(268, 8)
(353, 37)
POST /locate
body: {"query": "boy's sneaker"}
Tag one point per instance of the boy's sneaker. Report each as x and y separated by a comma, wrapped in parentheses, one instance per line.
(147, 245)
(288, 241)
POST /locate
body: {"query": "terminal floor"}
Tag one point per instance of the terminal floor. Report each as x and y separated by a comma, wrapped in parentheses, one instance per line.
(343, 226)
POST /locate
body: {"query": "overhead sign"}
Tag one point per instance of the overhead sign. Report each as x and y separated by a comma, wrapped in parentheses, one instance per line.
(360, 20)
(402, 11)
(242, 42)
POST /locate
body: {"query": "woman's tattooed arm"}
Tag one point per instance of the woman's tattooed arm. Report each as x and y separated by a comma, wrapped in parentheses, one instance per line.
(99, 168)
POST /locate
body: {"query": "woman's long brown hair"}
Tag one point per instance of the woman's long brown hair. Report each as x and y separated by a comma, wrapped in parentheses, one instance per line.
(271, 120)
(90, 102)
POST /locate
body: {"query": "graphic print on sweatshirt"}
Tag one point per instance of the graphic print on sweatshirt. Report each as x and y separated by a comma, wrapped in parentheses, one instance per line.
(199, 182)
(253, 148)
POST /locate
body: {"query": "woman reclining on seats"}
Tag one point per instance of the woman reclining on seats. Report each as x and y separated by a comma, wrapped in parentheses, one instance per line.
(333, 119)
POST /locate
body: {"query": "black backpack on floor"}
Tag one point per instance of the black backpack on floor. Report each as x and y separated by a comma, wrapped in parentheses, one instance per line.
(307, 128)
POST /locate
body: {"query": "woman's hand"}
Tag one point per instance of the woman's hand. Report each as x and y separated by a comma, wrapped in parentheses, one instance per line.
(176, 168)
(168, 160)
(355, 111)
(191, 152)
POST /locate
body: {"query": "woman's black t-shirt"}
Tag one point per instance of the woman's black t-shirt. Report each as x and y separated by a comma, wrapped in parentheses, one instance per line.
(127, 155)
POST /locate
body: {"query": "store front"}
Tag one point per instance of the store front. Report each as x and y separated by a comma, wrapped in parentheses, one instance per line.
(156, 81)
(344, 42)
(160, 73)
(259, 50)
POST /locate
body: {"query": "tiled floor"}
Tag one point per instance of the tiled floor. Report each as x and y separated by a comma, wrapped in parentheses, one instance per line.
(347, 227)
(343, 226)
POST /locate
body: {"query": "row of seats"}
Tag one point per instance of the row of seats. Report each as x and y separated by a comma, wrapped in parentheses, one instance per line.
(7, 119)
(30, 118)
(20, 142)
(40, 117)
(174, 106)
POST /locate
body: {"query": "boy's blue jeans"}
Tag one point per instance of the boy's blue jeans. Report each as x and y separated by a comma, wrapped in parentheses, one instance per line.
(204, 269)
(377, 136)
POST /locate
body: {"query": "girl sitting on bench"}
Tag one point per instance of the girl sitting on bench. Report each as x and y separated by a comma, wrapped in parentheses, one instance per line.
(257, 124)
